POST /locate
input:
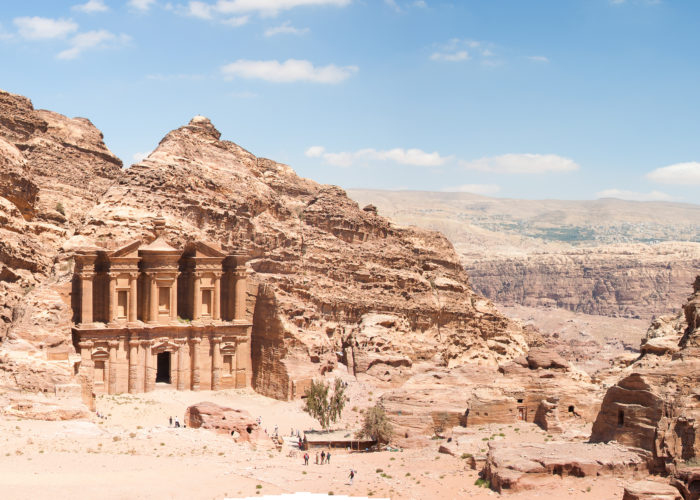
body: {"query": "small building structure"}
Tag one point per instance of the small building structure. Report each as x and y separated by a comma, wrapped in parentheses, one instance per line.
(149, 315)
(343, 439)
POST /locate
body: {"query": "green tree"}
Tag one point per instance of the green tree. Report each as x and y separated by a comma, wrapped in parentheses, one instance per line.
(324, 406)
(376, 425)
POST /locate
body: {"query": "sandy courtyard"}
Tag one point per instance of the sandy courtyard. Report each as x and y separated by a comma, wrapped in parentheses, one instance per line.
(133, 453)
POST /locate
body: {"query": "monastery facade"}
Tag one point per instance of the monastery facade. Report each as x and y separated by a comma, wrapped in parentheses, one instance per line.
(152, 315)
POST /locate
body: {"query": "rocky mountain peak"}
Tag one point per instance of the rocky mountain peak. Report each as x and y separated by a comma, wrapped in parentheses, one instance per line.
(203, 125)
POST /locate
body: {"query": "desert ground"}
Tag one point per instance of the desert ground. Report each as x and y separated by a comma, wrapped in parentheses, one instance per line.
(133, 453)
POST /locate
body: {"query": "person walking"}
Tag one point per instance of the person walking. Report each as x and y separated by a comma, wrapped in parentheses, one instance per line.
(306, 459)
(323, 456)
(316, 458)
(352, 476)
(170, 422)
(328, 457)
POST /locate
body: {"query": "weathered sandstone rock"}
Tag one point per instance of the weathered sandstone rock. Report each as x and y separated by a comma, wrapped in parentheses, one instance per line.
(650, 490)
(237, 423)
(655, 406)
(527, 466)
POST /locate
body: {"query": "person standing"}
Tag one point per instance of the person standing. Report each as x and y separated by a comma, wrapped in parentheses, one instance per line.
(323, 456)
(316, 458)
(328, 457)
(170, 422)
(306, 459)
(352, 476)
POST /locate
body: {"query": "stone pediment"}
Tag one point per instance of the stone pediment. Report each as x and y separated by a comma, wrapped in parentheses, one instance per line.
(202, 249)
(130, 250)
(159, 245)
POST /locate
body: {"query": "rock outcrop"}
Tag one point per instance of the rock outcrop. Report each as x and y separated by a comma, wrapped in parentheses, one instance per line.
(655, 406)
(603, 257)
(435, 401)
(236, 423)
(524, 466)
(330, 281)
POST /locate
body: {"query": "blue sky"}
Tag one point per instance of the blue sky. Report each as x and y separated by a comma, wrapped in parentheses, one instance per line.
(560, 99)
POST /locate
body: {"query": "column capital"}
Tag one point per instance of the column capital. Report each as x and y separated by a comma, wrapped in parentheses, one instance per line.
(216, 339)
(113, 343)
(86, 275)
(85, 344)
(146, 343)
(196, 340)
(135, 341)
(240, 273)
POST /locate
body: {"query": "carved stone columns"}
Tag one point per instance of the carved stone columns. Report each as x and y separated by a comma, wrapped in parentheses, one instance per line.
(133, 297)
(195, 363)
(112, 299)
(86, 278)
(197, 304)
(240, 295)
(153, 299)
(113, 344)
(134, 365)
(216, 310)
(148, 384)
(181, 365)
(173, 300)
(216, 363)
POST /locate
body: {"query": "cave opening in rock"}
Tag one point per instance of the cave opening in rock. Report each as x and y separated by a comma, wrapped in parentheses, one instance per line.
(620, 418)
(571, 408)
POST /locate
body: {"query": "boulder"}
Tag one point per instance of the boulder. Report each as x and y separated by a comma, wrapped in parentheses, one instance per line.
(650, 490)
(237, 423)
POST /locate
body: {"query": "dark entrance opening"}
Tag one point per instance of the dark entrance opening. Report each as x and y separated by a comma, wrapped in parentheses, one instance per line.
(620, 418)
(163, 371)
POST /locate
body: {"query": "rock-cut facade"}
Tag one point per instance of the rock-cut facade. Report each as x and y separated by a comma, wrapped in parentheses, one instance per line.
(149, 315)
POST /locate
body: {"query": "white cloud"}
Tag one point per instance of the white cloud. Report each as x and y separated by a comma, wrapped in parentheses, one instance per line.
(482, 189)
(539, 59)
(91, 6)
(420, 4)
(291, 70)
(268, 7)
(679, 173)
(236, 21)
(200, 10)
(315, 151)
(90, 40)
(43, 28)
(456, 50)
(142, 5)
(285, 28)
(622, 194)
(522, 164)
(172, 77)
(414, 157)
(393, 5)
(139, 157)
(462, 55)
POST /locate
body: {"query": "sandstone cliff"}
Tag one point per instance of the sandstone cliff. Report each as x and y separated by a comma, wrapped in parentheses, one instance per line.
(604, 257)
(656, 404)
(330, 281)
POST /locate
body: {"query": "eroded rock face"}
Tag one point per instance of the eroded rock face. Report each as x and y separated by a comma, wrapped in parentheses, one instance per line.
(437, 400)
(656, 405)
(54, 169)
(651, 490)
(525, 466)
(237, 423)
(328, 277)
(330, 281)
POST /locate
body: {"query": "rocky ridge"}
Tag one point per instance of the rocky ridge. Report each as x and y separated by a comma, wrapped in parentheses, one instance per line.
(329, 281)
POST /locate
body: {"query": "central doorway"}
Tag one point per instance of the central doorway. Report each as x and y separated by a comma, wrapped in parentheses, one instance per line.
(163, 368)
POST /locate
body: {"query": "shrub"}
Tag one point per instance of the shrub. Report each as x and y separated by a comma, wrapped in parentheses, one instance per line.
(60, 209)
(482, 483)
(376, 425)
(323, 406)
